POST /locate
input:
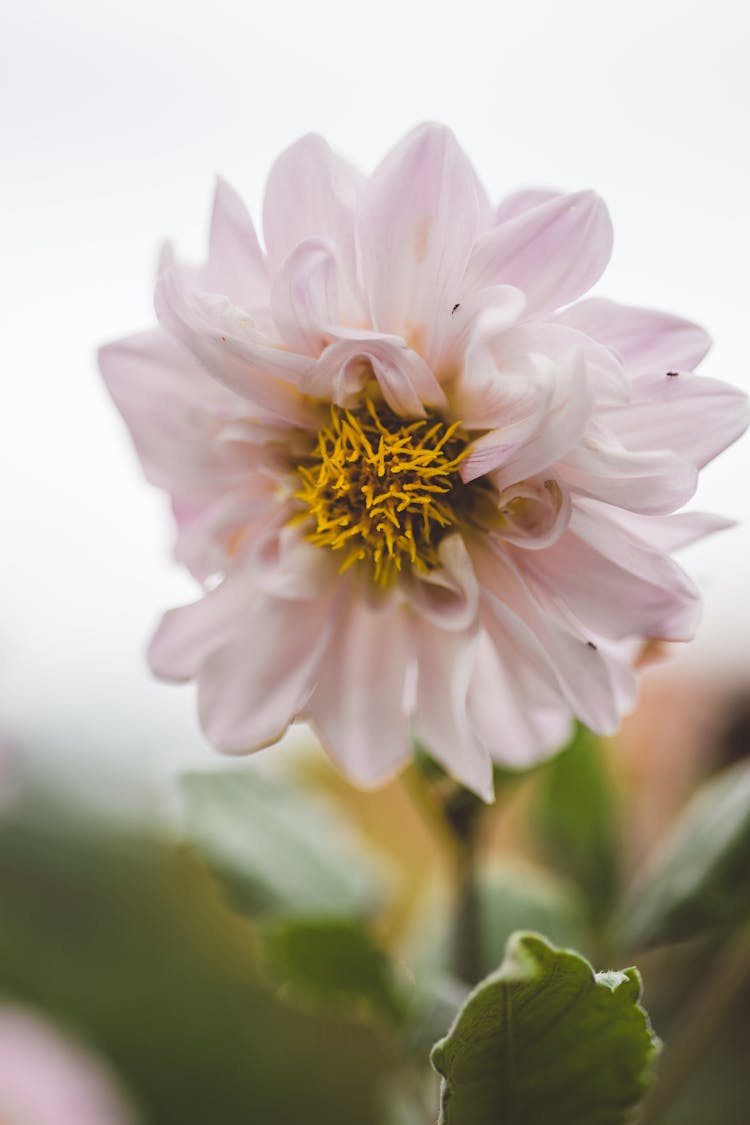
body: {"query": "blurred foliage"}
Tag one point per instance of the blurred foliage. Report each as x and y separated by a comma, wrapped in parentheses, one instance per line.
(319, 999)
(699, 878)
(124, 938)
(575, 818)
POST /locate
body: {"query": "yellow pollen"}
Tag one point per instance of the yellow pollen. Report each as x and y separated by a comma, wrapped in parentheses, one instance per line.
(381, 489)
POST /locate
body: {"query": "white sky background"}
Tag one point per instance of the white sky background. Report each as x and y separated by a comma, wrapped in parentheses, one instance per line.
(114, 119)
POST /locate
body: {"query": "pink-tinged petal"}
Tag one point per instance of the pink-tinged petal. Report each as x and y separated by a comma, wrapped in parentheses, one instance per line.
(613, 583)
(445, 664)
(305, 296)
(256, 684)
(515, 705)
(535, 513)
(351, 362)
(518, 202)
(647, 341)
(418, 220)
(554, 252)
(449, 596)
(47, 1078)
(236, 265)
(357, 707)
(605, 373)
(692, 416)
(173, 410)
(285, 565)
(481, 316)
(662, 533)
(187, 636)
(582, 673)
(651, 482)
(310, 192)
(211, 536)
(513, 453)
(227, 342)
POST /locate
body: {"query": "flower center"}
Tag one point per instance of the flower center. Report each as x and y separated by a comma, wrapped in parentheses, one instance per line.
(382, 490)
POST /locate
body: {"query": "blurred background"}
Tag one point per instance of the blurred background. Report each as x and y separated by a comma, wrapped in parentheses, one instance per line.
(115, 120)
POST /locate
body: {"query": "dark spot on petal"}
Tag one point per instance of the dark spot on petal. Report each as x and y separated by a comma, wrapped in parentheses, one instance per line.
(456, 306)
(672, 374)
(591, 645)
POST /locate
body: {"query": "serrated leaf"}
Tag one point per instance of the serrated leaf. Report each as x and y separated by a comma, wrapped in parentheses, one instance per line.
(544, 1040)
(333, 963)
(575, 816)
(278, 851)
(699, 878)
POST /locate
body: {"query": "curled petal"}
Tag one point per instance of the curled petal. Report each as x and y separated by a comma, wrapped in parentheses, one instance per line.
(311, 192)
(418, 220)
(558, 415)
(347, 365)
(654, 482)
(553, 252)
(448, 596)
(534, 513)
(228, 344)
(305, 297)
(647, 341)
(692, 416)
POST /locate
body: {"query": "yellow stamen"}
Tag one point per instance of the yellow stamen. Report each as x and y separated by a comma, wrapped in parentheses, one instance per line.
(382, 490)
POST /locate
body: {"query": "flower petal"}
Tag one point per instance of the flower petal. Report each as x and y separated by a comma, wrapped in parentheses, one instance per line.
(227, 342)
(614, 583)
(522, 449)
(515, 705)
(311, 191)
(187, 636)
(524, 200)
(690, 415)
(357, 707)
(553, 252)
(305, 296)
(173, 410)
(654, 482)
(347, 365)
(418, 220)
(647, 341)
(236, 264)
(253, 686)
(448, 596)
(445, 664)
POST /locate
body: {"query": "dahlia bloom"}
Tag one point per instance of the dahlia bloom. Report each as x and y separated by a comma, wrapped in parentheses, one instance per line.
(427, 491)
(47, 1080)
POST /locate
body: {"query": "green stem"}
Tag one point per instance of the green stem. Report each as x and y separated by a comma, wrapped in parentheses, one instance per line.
(698, 1025)
(467, 936)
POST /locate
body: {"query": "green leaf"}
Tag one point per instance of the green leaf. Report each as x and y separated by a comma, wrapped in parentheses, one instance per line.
(334, 963)
(278, 851)
(575, 816)
(544, 1040)
(698, 879)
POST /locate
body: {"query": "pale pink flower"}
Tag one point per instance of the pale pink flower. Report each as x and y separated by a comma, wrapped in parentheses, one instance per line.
(422, 500)
(45, 1079)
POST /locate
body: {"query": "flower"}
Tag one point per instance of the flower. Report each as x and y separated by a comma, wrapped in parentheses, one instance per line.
(428, 492)
(46, 1079)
